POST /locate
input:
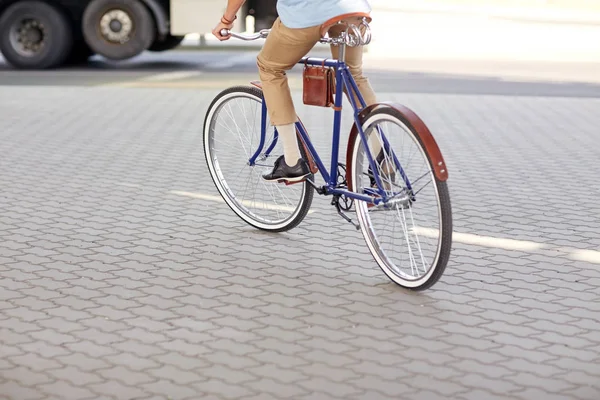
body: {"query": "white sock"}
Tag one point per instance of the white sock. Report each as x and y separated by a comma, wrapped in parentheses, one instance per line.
(291, 152)
(375, 144)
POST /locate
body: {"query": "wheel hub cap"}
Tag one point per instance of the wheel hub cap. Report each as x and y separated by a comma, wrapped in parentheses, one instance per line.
(33, 36)
(28, 36)
(116, 26)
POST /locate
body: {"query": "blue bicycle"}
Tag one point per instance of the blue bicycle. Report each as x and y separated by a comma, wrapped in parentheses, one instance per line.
(394, 176)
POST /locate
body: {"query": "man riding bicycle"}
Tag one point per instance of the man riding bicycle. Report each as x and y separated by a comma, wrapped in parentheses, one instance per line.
(293, 35)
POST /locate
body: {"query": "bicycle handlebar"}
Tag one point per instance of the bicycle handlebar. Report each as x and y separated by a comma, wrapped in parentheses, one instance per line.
(262, 34)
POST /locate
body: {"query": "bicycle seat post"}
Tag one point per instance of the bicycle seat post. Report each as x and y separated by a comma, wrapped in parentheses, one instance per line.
(342, 46)
(351, 36)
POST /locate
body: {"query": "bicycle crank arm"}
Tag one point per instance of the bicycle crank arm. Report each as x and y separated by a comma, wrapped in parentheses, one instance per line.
(336, 203)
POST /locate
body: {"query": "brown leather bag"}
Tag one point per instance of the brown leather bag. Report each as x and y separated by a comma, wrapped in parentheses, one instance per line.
(318, 82)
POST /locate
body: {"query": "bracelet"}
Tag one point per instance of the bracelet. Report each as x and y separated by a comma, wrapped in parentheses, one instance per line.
(226, 21)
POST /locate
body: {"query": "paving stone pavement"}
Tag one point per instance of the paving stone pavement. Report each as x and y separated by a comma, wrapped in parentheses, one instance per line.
(112, 286)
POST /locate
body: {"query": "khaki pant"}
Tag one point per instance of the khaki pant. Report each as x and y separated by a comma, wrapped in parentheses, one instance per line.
(284, 47)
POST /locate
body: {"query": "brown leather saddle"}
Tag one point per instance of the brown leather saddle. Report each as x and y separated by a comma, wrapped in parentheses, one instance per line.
(345, 19)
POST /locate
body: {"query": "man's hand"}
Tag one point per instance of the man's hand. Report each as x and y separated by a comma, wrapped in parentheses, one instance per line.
(217, 31)
(233, 6)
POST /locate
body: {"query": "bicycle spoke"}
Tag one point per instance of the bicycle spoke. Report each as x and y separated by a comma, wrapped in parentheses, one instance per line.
(393, 229)
(234, 137)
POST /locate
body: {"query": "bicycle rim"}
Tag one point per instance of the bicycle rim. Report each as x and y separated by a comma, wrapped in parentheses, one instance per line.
(410, 237)
(231, 136)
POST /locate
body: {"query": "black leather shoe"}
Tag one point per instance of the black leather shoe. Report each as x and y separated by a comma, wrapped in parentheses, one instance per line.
(386, 174)
(283, 172)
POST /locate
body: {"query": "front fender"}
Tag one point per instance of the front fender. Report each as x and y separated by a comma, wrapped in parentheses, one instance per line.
(415, 124)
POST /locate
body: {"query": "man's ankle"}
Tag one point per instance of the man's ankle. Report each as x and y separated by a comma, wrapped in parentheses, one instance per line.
(289, 162)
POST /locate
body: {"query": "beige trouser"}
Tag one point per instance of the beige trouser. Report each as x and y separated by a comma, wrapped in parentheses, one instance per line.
(283, 48)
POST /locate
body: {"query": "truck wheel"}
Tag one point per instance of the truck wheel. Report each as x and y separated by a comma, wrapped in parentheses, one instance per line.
(118, 29)
(34, 35)
(170, 42)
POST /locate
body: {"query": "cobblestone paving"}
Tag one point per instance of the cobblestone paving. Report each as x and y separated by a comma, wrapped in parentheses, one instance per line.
(113, 286)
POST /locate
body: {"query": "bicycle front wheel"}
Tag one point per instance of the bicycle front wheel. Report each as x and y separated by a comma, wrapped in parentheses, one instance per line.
(410, 234)
(232, 135)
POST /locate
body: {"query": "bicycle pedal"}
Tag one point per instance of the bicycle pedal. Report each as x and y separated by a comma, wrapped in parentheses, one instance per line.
(288, 183)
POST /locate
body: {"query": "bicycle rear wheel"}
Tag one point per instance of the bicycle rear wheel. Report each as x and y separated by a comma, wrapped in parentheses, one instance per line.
(232, 134)
(410, 235)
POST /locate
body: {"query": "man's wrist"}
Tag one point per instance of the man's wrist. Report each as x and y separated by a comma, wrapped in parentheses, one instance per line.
(228, 21)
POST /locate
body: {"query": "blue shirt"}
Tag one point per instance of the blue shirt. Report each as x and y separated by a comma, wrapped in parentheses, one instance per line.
(306, 13)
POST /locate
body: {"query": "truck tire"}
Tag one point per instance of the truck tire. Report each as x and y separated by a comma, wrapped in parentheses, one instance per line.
(34, 35)
(118, 29)
(170, 42)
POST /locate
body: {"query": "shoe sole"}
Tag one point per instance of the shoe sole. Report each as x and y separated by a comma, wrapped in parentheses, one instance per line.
(288, 181)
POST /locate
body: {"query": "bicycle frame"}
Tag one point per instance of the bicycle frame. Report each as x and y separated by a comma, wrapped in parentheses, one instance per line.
(344, 80)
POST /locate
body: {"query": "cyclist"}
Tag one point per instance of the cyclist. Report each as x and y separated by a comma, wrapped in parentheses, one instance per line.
(293, 35)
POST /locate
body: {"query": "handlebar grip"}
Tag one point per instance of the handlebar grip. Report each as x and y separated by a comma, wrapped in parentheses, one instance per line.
(224, 32)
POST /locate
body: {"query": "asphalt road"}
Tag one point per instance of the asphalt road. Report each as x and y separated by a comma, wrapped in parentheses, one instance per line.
(123, 274)
(218, 68)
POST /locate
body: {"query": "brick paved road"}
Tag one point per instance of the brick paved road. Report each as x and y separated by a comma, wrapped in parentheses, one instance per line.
(112, 286)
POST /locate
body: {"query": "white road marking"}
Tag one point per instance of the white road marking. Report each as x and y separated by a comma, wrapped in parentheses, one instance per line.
(209, 197)
(590, 256)
(170, 76)
(499, 243)
(132, 185)
(585, 255)
(484, 241)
